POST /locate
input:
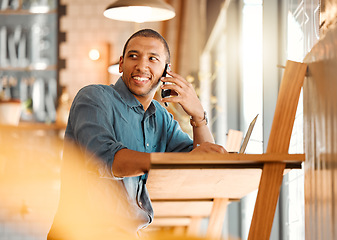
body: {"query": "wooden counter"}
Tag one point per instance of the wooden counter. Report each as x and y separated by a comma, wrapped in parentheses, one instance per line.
(209, 176)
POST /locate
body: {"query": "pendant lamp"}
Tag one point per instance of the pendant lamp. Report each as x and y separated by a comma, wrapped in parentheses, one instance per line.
(139, 11)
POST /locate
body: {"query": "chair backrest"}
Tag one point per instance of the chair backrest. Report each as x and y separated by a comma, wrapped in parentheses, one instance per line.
(279, 140)
(286, 106)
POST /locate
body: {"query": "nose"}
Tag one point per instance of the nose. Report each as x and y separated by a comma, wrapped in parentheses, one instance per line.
(142, 64)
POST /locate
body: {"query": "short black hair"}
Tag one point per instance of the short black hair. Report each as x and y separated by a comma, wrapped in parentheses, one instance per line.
(151, 34)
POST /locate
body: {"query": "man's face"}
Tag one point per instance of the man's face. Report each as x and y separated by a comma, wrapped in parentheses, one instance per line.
(143, 65)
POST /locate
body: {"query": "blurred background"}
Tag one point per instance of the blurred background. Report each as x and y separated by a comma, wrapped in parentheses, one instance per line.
(233, 51)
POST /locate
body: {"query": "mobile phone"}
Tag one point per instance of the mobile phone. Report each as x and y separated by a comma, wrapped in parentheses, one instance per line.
(165, 92)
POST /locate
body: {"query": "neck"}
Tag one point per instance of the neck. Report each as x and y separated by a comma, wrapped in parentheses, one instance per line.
(145, 101)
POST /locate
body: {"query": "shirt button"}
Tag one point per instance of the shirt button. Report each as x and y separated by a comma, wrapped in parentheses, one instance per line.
(147, 144)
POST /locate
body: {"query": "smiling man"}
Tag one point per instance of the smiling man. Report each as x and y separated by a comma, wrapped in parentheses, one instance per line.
(142, 65)
(117, 127)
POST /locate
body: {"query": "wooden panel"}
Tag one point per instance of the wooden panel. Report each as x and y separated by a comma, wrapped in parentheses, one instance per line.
(218, 158)
(202, 183)
(173, 222)
(212, 177)
(320, 135)
(182, 208)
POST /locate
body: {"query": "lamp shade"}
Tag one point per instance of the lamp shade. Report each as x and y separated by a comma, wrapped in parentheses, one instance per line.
(139, 11)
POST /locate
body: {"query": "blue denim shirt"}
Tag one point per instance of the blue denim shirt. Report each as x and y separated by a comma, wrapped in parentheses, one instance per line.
(104, 119)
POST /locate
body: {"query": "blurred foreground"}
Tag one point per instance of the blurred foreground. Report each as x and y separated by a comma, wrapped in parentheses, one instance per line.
(30, 172)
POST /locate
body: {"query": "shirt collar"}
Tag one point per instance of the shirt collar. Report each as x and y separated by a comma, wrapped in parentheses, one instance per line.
(125, 93)
(128, 97)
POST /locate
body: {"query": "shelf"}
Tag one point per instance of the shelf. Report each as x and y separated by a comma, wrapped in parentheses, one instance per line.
(29, 68)
(29, 60)
(26, 12)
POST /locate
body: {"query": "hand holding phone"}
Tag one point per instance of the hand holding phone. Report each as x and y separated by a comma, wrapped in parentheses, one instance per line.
(165, 92)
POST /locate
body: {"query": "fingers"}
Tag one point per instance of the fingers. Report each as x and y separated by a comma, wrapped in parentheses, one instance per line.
(177, 93)
(185, 94)
(208, 147)
(182, 88)
(217, 149)
(177, 80)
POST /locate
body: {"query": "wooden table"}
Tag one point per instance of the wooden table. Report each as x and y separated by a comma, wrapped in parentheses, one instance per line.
(183, 186)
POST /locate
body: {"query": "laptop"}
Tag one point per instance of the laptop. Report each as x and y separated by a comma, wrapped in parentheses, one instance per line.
(234, 138)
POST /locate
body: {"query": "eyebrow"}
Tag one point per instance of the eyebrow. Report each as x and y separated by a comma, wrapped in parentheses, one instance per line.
(151, 53)
(132, 51)
(155, 54)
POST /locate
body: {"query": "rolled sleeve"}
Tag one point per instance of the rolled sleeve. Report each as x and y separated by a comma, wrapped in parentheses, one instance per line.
(90, 124)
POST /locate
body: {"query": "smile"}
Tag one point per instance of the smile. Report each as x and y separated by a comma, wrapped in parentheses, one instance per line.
(142, 79)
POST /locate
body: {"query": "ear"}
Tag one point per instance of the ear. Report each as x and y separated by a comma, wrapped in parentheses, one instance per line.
(121, 64)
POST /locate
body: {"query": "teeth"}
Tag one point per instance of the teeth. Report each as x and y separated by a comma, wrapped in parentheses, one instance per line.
(140, 78)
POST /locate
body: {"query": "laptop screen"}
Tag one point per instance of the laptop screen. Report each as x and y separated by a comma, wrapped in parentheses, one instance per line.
(234, 138)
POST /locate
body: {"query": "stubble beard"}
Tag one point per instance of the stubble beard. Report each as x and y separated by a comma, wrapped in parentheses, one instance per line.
(153, 88)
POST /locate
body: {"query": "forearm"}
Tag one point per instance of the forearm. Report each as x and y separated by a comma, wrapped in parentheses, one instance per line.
(129, 163)
(201, 131)
(202, 134)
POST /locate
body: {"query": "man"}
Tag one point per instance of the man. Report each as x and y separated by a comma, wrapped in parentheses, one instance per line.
(117, 127)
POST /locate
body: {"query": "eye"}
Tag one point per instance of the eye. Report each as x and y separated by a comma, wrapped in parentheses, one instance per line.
(132, 55)
(153, 59)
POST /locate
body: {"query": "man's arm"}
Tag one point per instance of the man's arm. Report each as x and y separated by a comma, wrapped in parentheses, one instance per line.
(95, 135)
(203, 140)
(201, 132)
(202, 137)
(130, 163)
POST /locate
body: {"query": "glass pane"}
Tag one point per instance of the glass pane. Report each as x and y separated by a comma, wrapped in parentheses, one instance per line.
(252, 94)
